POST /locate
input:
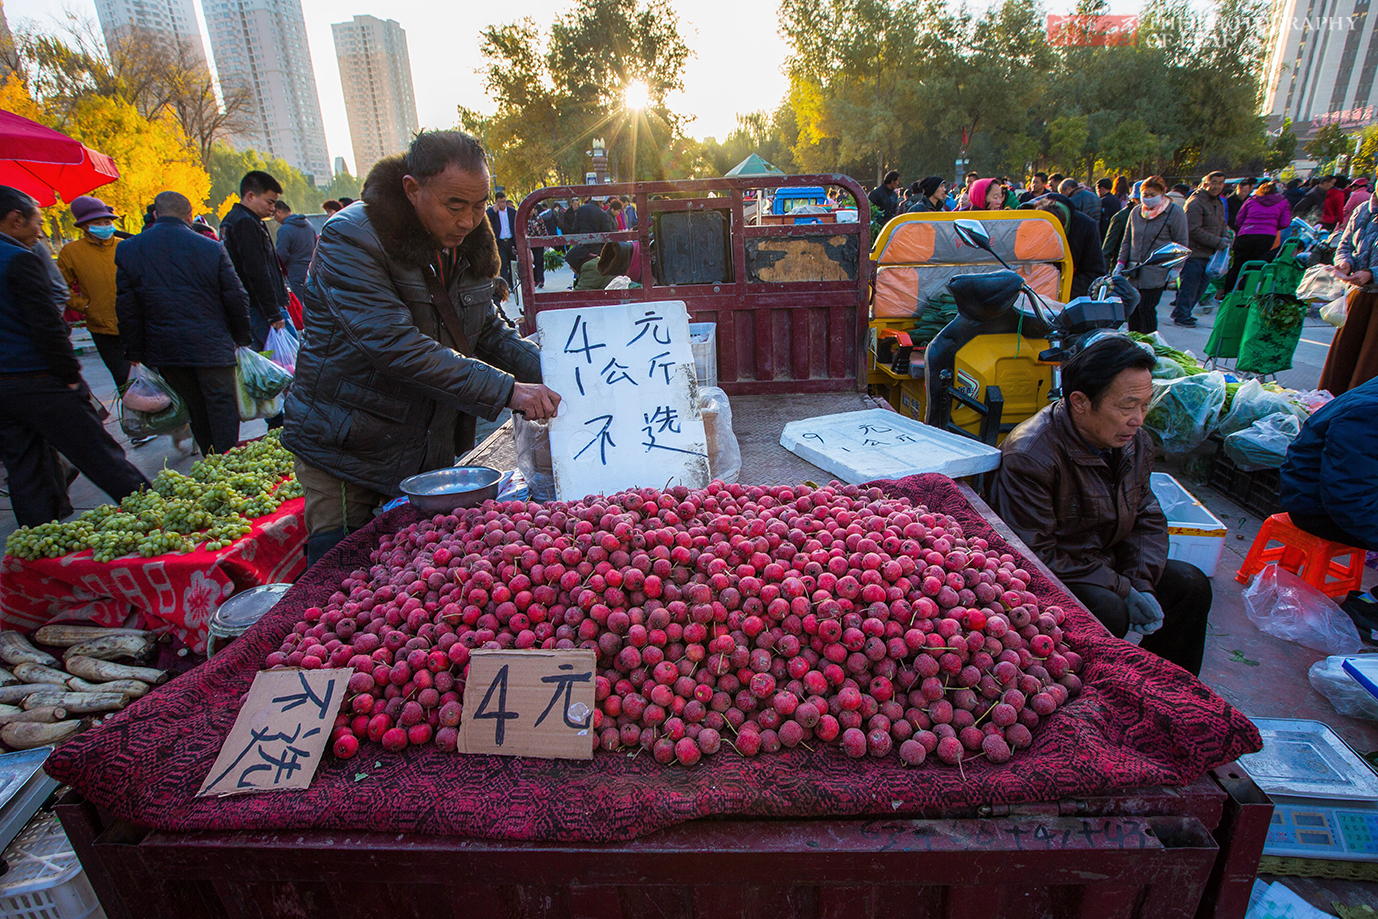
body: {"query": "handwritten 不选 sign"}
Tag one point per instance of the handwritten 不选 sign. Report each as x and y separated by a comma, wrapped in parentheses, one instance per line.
(629, 415)
(280, 733)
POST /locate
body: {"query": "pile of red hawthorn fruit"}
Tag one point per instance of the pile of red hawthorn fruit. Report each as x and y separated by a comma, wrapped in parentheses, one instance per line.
(750, 617)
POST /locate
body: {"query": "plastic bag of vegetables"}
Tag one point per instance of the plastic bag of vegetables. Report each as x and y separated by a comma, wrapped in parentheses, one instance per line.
(258, 376)
(1165, 368)
(1185, 411)
(1263, 445)
(148, 392)
(259, 385)
(1254, 401)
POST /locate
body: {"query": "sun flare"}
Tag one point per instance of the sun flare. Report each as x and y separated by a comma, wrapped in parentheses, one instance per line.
(637, 95)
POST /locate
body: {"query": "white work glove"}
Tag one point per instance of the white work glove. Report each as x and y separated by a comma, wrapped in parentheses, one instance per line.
(1145, 613)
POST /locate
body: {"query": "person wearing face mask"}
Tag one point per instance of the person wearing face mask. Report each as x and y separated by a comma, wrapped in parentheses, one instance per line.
(1154, 223)
(88, 266)
(406, 349)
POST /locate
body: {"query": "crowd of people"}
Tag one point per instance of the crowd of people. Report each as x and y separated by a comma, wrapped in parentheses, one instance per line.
(378, 394)
(1117, 224)
(391, 376)
(177, 296)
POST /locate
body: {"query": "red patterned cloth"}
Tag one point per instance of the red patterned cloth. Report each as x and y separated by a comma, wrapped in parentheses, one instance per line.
(1139, 721)
(177, 590)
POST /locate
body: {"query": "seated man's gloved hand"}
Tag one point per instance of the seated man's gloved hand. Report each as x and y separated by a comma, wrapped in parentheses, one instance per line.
(1145, 613)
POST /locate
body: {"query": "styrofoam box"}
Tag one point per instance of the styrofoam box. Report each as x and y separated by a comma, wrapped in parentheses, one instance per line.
(703, 338)
(1194, 534)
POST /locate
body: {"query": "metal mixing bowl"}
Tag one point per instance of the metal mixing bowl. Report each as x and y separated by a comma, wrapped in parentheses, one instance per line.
(442, 490)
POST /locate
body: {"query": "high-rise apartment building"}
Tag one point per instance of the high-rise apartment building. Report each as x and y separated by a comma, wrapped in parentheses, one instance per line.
(375, 72)
(172, 20)
(261, 45)
(1322, 63)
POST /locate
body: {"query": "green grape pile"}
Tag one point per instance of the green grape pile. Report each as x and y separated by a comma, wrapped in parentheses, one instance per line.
(213, 504)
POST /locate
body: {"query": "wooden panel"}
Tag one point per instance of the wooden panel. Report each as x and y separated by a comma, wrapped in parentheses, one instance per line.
(764, 365)
(601, 902)
(658, 902)
(837, 342)
(755, 354)
(799, 345)
(780, 344)
(827, 258)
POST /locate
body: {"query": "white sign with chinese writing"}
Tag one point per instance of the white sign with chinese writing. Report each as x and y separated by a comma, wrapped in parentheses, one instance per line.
(629, 412)
(876, 444)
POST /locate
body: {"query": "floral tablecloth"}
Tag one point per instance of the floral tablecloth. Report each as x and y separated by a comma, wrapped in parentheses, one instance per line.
(180, 591)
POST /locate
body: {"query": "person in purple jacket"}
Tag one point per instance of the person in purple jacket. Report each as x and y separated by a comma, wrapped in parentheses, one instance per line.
(1265, 214)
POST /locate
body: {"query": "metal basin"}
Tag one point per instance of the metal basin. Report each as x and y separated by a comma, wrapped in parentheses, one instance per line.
(443, 490)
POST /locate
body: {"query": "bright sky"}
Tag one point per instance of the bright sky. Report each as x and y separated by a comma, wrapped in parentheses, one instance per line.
(737, 67)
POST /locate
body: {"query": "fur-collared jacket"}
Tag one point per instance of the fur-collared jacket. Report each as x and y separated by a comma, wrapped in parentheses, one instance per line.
(379, 387)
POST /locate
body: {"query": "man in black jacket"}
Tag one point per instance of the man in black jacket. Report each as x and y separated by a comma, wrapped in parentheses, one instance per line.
(884, 197)
(296, 244)
(406, 347)
(1109, 204)
(589, 218)
(503, 218)
(43, 399)
(185, 312)
(250, 246)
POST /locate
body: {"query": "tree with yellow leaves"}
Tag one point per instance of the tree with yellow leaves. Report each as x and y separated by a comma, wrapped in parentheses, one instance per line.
(152, 154)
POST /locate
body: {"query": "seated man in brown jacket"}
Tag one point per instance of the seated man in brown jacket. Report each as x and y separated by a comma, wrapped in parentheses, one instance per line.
(1074, 484)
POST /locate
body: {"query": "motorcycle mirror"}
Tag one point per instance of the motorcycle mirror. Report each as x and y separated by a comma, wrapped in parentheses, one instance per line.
(1170, 256)
(973, 233)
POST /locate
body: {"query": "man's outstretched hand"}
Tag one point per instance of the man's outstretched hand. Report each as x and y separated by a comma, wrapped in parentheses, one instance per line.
(1145, 612)
(536, 401)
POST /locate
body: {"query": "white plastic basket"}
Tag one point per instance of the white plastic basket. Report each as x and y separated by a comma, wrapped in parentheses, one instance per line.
(45, 880)
(703, 339)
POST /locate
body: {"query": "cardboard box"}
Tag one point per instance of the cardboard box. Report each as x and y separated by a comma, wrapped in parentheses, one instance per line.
(1194, 534)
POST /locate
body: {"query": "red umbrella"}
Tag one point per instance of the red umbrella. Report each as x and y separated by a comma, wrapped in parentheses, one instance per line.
(43, 162)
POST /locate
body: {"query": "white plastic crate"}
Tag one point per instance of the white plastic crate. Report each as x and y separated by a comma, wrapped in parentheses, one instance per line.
(1194, 534)
(45, 880)
(703, 339)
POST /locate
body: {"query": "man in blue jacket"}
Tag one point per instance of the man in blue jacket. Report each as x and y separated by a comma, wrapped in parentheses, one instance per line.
(43, 399)
(296, 244)
(1330, 477)
(183, 310)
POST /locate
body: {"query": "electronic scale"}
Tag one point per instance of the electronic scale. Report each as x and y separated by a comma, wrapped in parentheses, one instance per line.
(1325, 795)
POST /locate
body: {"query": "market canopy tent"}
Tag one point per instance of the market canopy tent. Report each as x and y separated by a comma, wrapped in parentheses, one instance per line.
(45, 163)
(753, 165)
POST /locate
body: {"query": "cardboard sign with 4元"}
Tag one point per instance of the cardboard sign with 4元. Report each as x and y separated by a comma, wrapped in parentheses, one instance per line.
(280, 733)
(529, 703)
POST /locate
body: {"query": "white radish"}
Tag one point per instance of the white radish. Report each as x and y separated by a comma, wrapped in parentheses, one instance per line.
(15, 649)
(26, 735)
(104, 671)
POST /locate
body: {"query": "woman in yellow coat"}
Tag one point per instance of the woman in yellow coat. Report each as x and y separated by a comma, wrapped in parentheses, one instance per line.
(88, 264)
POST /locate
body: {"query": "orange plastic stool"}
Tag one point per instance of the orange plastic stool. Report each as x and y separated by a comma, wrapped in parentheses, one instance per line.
(1309, 557)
